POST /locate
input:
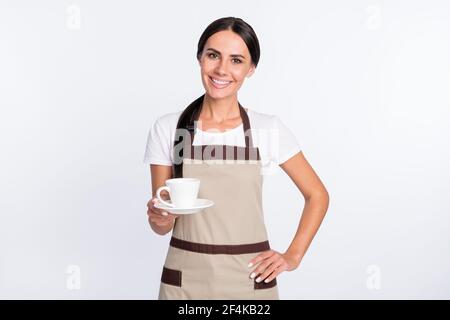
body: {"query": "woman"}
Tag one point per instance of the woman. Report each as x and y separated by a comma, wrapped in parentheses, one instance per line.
(223, 252)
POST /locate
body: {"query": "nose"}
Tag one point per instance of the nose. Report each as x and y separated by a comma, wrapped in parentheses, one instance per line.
(221, 67)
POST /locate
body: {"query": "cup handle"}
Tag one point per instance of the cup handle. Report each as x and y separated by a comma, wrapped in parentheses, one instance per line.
(158, 195)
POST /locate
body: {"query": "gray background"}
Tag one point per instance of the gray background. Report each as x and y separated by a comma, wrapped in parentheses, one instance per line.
(364, 85)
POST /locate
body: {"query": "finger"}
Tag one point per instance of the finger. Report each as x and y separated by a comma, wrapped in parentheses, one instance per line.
(159, 212)
(160, 216)
(263, 265)
(161, 221)
(153, 212)
(269, 270)
(260, 257)
(156, 210)
(154, 215)
(275, 273)
(164, 223)
(151, 202)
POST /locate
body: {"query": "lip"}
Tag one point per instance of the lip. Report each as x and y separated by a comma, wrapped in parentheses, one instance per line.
(219, 86)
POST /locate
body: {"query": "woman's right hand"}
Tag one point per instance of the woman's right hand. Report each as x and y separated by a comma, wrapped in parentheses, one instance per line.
(159, 217)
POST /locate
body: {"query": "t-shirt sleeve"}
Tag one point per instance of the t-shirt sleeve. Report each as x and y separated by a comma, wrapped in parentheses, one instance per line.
(158, 146)
(284, 143)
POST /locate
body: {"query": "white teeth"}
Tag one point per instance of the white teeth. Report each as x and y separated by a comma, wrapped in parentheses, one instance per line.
(220, 82)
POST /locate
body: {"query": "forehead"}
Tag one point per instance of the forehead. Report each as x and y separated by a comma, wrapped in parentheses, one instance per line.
(227, 42)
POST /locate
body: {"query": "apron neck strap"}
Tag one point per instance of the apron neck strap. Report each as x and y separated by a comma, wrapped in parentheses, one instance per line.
(192, 126)
(247, 129)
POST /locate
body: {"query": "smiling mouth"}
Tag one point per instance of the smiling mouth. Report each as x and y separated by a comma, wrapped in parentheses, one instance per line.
(219, 84)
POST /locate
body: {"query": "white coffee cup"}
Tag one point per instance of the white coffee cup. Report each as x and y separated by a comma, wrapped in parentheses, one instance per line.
(183, 192)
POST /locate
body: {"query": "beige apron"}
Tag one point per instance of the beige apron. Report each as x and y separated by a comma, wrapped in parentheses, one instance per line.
(209, 251)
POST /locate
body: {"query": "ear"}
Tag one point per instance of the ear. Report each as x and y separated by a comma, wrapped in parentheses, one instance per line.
(251, 71)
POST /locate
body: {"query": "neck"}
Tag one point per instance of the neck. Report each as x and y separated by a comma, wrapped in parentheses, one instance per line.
(220, 110)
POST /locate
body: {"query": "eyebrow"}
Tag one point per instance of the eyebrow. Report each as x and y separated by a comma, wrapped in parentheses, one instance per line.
(232, 55)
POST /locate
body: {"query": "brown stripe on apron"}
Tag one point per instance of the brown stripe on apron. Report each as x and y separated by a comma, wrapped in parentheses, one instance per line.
(209, 251)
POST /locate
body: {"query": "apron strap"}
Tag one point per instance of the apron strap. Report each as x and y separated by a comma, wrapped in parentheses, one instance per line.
(247, 129)
(245, 121)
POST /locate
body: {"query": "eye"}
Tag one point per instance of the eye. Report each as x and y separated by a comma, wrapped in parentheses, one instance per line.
(209, 55)
(238, 61)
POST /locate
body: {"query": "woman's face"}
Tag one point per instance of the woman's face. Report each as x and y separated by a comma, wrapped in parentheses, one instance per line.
(224, 64)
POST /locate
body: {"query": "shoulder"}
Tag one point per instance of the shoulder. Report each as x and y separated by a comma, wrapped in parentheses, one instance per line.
(168, 120)
(271, 130)
(163, 128)
(166, 124)
(261, 120)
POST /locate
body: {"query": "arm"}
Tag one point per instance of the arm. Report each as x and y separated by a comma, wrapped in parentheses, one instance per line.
(316, 204)
(272, 263)
(159, 222)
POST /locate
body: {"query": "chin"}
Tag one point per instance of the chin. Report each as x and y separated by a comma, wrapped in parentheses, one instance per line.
(218, 95)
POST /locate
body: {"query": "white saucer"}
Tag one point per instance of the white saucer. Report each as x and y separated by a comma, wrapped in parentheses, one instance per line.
(197, 207)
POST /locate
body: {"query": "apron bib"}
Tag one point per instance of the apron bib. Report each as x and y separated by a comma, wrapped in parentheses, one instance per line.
(209, 251)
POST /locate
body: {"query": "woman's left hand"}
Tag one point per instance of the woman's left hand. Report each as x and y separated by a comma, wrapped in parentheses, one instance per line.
(271, 263)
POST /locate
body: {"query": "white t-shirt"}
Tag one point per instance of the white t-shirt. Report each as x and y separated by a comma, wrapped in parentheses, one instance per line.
(276, 143)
